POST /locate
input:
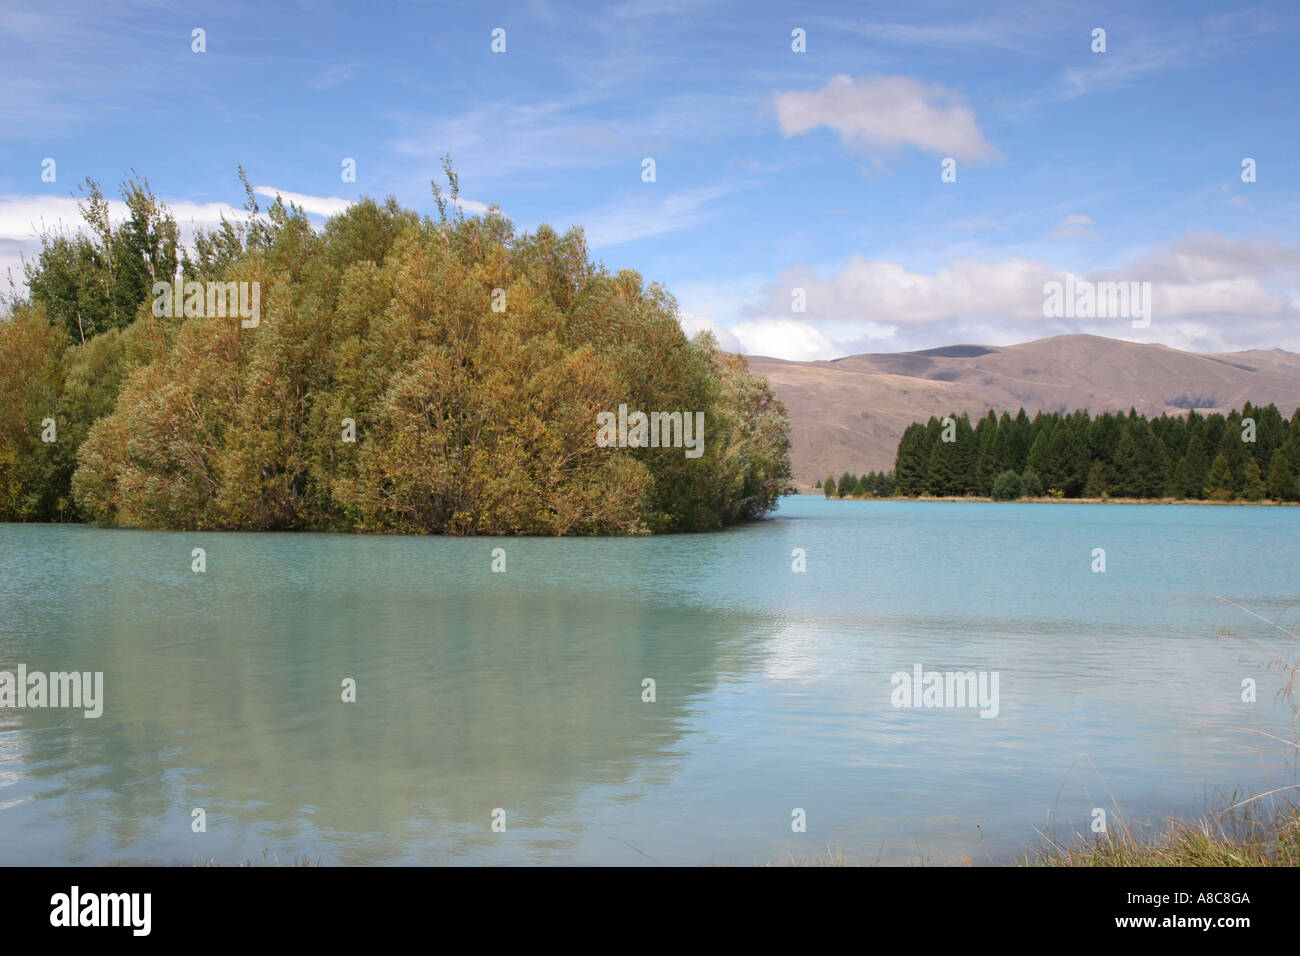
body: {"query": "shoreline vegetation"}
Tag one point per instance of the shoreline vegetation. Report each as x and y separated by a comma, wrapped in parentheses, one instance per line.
(387, 372)
(1047, 499)
(1251, 455)
(1209, 840)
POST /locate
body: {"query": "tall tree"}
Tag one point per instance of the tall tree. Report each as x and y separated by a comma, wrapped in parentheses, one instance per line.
(912, 463)
(1218, 483)
(1254, 488)
(1281, 479)
(1140, 467)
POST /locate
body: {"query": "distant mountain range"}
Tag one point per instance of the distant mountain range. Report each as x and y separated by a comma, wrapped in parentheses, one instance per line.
(848, 414)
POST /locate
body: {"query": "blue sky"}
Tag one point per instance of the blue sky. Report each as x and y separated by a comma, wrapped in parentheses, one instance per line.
(774, 170)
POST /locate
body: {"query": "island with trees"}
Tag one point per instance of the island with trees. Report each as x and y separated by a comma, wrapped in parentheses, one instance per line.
(404, 373)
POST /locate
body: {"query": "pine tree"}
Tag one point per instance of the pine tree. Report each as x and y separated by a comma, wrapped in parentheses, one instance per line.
(941, 476)
(1254, 489)
(1291, 444)
(967, 458)
(1197, 457)
(1095, 487)
(912, 463)
(1178, 480)
(952, 464)
(828, 486)
(1236, 450)
(1043, 454)
(986, 456)
(1218, 483)
(1281, 479)
(1103, 438)
(1076, 454)
(1140, 465)
(1270, 431)
(1018, 441)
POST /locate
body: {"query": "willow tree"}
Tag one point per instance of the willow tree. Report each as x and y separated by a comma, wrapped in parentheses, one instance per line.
(31, 384)
(430, 375)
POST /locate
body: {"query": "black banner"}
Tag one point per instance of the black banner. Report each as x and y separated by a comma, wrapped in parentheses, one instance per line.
(334, 905)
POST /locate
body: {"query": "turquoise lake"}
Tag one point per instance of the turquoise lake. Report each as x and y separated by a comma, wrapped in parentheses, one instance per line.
(522, 691)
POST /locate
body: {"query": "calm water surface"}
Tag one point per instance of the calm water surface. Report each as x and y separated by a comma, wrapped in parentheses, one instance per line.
(522, 690)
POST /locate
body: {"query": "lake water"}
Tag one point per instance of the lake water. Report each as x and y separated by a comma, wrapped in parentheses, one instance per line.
(522, 690)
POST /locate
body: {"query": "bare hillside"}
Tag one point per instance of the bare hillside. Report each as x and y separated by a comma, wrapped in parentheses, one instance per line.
(849, 413)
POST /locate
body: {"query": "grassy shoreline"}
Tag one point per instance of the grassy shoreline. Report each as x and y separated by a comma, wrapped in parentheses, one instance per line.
(1212, 840)
(1209, 841)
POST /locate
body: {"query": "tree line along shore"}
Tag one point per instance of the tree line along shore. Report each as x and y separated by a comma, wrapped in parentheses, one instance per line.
(1251, 455)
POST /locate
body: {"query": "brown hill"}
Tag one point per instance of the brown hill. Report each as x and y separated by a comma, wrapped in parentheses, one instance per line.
(848, 414)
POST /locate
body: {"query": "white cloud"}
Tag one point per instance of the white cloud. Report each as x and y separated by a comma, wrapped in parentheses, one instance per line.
(977, 223)
(24, 218)
(888, 112)
(786, 338)
(1209, 293)
(724, 299)
(879, 291)
(1202, 256)
(693, 324)
(1074, 226)
(472, 206)
(315, 205)
(1199, 275)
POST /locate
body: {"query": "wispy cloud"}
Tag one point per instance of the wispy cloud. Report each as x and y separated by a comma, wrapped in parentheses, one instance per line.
(1074, 226)
(1006, 34)
(1133, 55)
(331, 77)
(504, 140)
(653, 212)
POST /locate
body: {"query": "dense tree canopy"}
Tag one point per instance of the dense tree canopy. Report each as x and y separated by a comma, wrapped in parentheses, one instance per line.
(1256, 455)
(407, 374)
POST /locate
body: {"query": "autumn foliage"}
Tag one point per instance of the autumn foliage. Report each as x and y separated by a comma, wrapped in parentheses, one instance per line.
(465, 419)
